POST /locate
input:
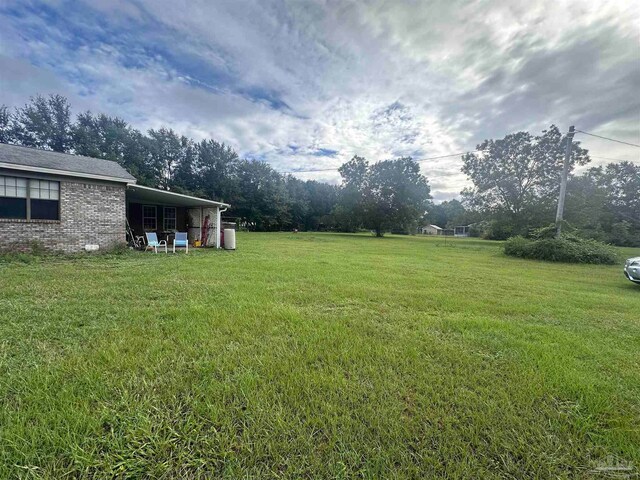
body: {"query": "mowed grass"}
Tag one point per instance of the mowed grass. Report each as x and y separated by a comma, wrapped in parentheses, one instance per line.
(318, 356)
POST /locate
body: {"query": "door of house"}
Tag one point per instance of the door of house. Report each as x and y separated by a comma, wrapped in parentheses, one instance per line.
(203, 225)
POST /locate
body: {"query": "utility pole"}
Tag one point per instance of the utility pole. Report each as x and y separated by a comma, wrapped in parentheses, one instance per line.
(563, 182)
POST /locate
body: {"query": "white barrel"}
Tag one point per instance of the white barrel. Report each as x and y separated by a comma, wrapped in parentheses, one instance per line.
(229, 239)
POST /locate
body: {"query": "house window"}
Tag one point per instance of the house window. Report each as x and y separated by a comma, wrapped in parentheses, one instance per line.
(13, 197)
(149, 219)
(169, 219)
(45, 199)
(41, 201)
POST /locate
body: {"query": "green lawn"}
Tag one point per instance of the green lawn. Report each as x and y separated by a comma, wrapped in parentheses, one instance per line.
(318, 356)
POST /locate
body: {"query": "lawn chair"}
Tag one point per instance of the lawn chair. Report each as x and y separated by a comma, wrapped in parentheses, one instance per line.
(152, 242)
(181, 240)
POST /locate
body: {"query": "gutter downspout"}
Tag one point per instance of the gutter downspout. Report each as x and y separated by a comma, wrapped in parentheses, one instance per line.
(219, 225)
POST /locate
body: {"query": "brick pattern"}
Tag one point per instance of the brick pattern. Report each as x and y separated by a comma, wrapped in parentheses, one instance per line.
(90, 213)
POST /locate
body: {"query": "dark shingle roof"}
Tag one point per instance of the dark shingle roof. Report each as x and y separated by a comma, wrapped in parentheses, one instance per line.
(76, 164)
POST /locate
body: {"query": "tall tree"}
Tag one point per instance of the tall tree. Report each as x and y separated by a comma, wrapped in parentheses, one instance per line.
(322, 197)
(516, 179)
(622, 183)
(385, 195)
(604, 203)
(216, 168)
(261, 202)
(166, 148)
(86, 136)
(6, 133)
(184, 175)
(44, 123)
(111, 138)
(297, 201)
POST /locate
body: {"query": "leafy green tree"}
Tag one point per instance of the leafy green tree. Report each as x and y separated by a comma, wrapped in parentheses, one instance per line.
(184, 175)
(349, 212)
(261, 201)
(391, 194)
(322, 197)
(44, 123)
(6, 133)
(166, 148)
(297, 201)
(216, 166)
(100, 136)
(622, 184)
(111, 138)
(136, 158)
(586, 204)
(86, 136)
(516, 179)
(603, 203)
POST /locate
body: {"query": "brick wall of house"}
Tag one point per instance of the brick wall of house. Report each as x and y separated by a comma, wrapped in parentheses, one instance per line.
(90, 213)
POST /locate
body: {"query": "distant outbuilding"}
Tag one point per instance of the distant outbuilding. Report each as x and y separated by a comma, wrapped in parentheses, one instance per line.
(431, 230)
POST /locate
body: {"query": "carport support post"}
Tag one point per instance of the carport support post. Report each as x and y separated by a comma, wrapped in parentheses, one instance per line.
(563, 181)
(217, 227)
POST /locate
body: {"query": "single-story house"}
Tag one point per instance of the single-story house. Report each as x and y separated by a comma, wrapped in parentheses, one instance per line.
(70, 203)
(431, 230)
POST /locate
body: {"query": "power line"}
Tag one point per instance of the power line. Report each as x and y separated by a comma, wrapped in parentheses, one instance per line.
(451, 155)
(613, 159)
(446, 156)
(607, 138)
(417, 161)
(312, 171)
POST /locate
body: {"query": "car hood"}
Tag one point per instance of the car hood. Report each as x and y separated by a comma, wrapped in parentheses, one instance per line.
(633, 259)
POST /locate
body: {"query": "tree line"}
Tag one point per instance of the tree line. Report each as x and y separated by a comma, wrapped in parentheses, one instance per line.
(389, 195)
(515, 180)
(260, 197)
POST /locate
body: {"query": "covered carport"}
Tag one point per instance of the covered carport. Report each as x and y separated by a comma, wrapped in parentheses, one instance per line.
(164, 212)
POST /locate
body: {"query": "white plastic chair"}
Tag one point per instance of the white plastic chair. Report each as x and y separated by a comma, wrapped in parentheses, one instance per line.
(181, 240)
(152, 242)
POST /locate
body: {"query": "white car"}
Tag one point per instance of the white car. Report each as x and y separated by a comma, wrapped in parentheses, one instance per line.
(632, 269)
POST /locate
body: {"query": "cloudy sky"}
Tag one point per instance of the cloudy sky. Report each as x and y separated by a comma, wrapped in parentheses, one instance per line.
(308, 84)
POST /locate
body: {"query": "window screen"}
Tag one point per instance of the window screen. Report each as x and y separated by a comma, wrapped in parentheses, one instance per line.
(13, 197)
(44, 190)
(149, 218)
(169, 218)
(13, 187)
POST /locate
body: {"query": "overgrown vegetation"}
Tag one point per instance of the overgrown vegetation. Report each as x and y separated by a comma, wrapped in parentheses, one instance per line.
(293, 358)
(569, 248)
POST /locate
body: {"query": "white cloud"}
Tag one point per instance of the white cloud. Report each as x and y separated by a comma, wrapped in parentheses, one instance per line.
(377, 78)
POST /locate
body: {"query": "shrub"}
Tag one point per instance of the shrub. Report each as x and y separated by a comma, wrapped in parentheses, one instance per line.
(516, 246)
(567, 248)
(116, 249)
